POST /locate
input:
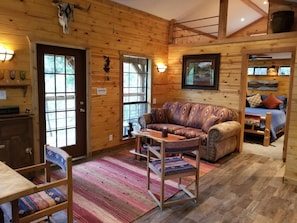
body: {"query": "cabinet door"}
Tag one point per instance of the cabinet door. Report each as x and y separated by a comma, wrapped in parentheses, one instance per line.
(18, 135)
(4, 152)
(20, 144)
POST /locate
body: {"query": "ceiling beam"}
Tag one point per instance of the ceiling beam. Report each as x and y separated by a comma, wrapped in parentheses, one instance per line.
(255, 7)
(222, 32)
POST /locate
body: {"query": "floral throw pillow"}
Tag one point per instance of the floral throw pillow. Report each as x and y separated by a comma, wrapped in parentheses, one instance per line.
(159, 115)
(255, 100)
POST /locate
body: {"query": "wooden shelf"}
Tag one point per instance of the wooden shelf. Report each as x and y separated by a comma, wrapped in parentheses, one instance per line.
(15, 84)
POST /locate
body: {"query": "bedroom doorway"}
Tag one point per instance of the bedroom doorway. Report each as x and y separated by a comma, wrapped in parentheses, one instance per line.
(267, 74)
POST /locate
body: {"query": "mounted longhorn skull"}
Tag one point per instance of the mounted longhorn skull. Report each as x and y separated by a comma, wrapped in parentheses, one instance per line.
(65, 13)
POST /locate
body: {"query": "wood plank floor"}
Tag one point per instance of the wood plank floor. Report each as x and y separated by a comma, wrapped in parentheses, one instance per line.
(247, 188)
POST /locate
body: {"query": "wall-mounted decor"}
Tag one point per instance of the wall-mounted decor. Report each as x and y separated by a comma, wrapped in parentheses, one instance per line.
(65, 13)
(260, 85)
(201, 71)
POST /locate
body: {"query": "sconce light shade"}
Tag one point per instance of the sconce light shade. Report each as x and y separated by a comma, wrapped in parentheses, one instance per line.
(161, 68)
(6, 54)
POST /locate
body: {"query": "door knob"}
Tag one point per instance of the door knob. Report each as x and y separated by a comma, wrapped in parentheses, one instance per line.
(82, 110)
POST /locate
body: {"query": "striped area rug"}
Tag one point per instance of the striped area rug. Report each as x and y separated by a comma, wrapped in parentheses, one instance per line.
(113, 189)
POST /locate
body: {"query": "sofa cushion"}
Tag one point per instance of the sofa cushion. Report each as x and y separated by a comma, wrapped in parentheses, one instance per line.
(255, 100)
(178, 112)
(225, 114)
(212, 120)
(271, 102)
(170, 127)
(189, 132)
(198, 114)
(159, 115)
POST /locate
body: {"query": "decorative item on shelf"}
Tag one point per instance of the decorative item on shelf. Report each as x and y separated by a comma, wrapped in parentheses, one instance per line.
(130, 130)
(161, 68)
(12, 74)
(164, 132)
(6, 54)
(272, 71)
(106, 67)
(22, 75)
(282, 21)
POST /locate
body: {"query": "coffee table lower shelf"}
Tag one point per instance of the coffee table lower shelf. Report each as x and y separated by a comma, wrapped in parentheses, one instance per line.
(143, 152)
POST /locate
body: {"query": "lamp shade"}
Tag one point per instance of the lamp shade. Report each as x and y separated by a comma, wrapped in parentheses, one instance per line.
(6, 54)
(161, 68)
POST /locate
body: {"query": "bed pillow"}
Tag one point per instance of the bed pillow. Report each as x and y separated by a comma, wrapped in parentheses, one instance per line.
(159, 115)
(212, 120)
(255, 100)
(271, 102)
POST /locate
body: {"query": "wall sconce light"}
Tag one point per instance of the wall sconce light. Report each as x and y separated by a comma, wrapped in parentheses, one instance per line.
(161, 68)
(6, 54)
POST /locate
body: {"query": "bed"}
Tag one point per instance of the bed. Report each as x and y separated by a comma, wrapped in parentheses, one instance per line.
(266, 118)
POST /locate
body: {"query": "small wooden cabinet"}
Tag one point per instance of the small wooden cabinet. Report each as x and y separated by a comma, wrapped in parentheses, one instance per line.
(16, 140)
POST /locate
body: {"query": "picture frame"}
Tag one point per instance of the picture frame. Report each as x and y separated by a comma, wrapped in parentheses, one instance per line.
(201, 71)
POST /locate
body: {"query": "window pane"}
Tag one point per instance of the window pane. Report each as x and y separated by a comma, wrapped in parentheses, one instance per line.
(135, 74)
(60, 64)
(49, 79)
(250, 71)
(70, 64)
(49, 63)
(70, 83)
(284, 70)
(260, 70)
(61, 102)
(51, 138)
(50, 121)
(60, 83)
(61, 138)
(50, 104)
(71, 140)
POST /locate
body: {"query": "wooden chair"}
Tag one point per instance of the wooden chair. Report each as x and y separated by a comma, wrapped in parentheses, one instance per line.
(48, 197)
(169, 167)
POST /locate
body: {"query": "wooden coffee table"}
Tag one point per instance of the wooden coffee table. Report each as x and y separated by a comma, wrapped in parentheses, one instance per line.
(154, 135)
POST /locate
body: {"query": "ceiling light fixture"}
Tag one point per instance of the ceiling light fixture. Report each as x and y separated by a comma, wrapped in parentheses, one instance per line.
(6, 54)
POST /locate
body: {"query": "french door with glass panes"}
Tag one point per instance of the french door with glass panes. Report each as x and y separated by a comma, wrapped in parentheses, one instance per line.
(62, 98)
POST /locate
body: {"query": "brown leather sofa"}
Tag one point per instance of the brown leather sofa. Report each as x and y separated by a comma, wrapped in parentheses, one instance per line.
(217, 126)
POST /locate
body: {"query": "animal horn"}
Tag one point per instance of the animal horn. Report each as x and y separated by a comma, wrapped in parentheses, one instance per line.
(55, 2)
(77, 6)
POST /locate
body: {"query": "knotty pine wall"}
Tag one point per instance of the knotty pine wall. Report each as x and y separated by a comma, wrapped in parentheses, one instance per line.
(233, 80)
(283, 81)
(107, 29)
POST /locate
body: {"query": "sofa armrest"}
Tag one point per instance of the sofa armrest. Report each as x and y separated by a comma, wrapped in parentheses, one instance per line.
(144, 119)
(223, 130)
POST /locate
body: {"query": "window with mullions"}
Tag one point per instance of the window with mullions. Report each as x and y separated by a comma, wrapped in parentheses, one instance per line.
(135, 90)
(257, 70)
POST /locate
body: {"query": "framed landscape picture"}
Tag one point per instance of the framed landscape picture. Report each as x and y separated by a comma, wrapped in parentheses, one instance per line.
(201, 71)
